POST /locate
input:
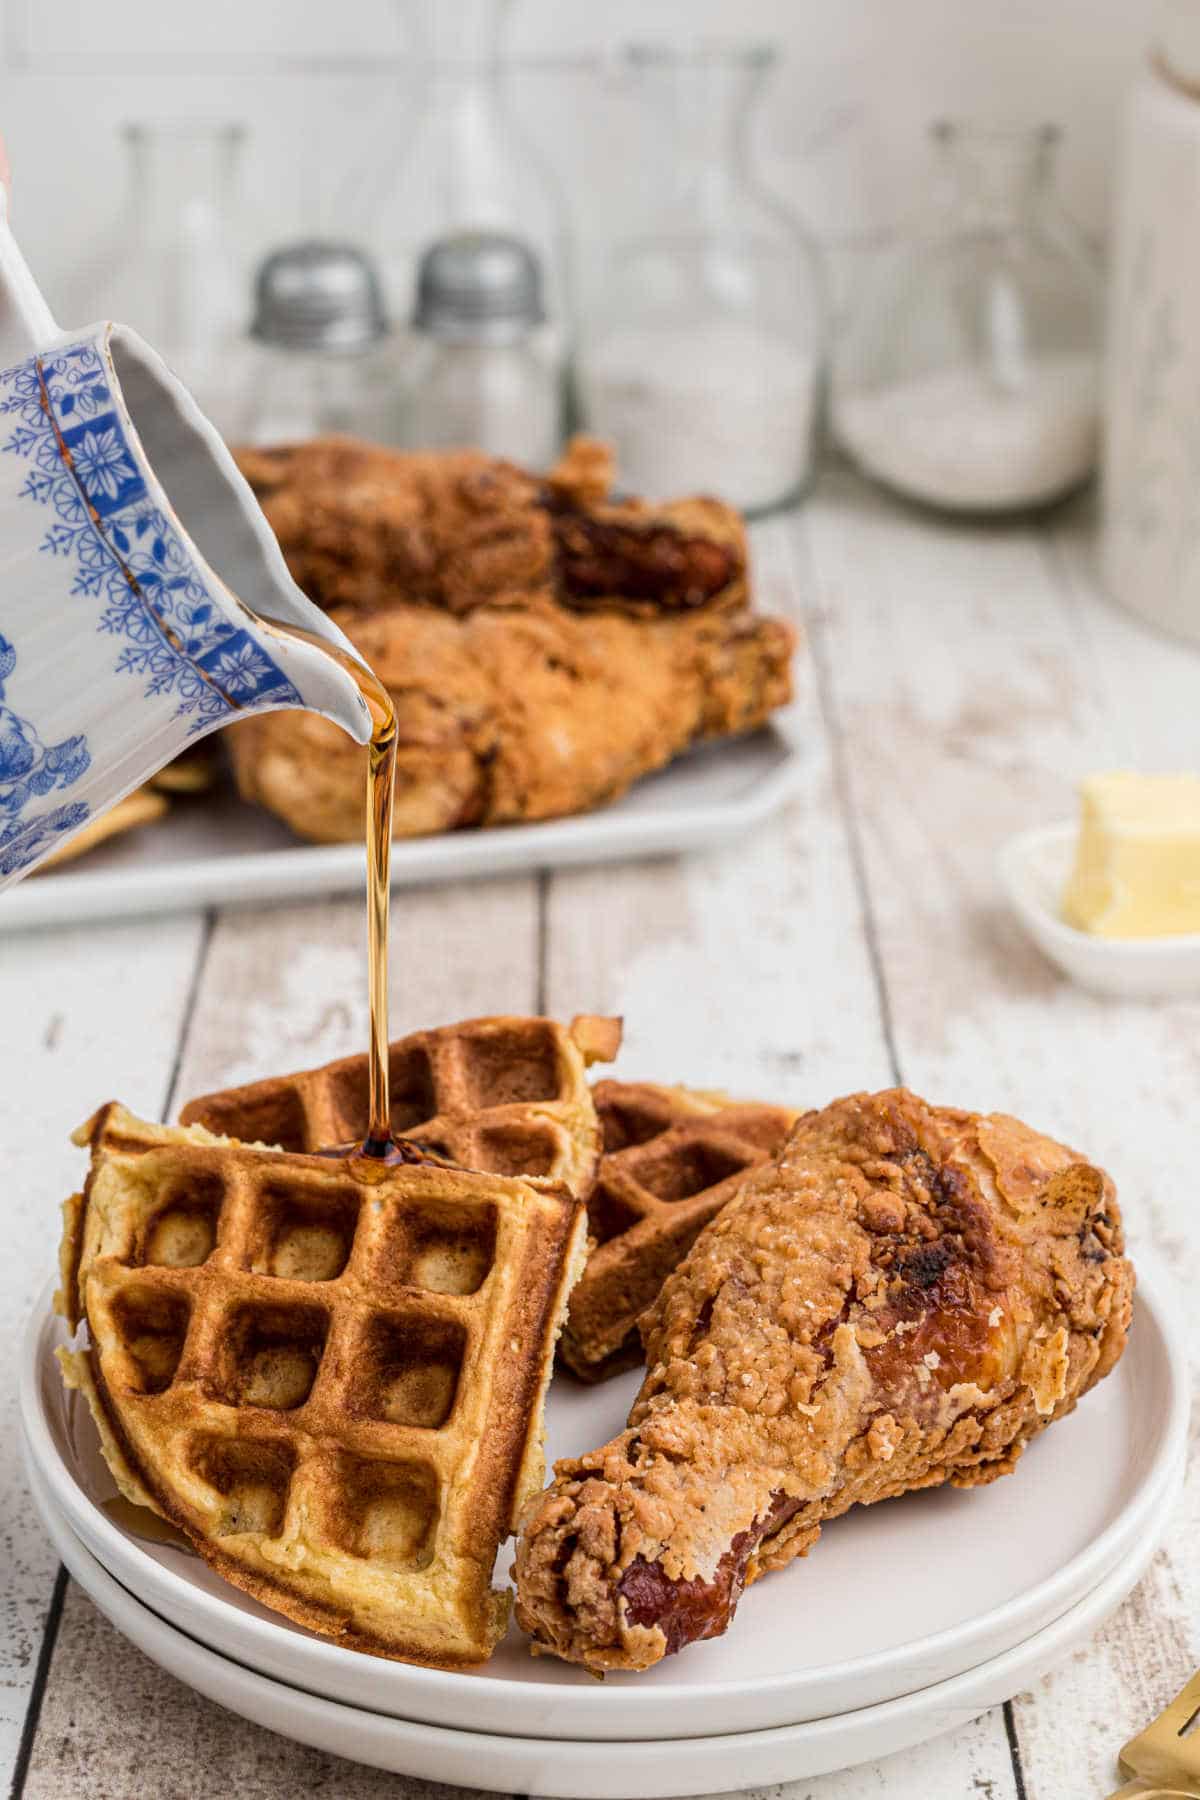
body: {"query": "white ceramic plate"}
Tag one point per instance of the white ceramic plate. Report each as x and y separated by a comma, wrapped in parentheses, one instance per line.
(217, 851)
(1034, 869)
(604, 1770)
(894, 1598)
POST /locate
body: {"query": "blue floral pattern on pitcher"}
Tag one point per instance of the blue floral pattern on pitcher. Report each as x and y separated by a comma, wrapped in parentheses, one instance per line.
(129, 557)
(28, 771)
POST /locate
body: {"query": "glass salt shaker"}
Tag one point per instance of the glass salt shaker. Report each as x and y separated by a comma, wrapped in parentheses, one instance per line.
(319, 358)
(704, 361)
(481, 369)
(969, 377)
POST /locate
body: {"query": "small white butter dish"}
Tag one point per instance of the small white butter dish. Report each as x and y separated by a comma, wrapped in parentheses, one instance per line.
(1034, 867)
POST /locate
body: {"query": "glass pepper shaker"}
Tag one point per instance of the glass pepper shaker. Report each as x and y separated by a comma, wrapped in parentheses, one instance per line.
(481, 369)
(704, 360)
(969, 377)
(318, 360)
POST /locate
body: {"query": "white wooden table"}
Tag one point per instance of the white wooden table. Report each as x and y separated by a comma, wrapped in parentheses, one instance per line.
(955, 684)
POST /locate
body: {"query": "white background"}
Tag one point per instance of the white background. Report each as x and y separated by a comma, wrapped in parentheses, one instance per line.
(840, 134)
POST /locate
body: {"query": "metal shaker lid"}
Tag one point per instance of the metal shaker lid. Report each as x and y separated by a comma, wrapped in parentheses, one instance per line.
(479, 287)
(318, 296)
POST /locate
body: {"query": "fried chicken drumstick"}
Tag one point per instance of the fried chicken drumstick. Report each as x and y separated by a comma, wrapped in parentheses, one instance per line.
(906, 1297)
(362, 526)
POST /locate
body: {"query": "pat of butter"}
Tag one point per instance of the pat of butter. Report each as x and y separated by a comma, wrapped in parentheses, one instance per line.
(1137, 863)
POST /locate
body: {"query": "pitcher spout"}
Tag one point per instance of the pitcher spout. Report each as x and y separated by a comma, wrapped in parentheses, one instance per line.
(233, 555)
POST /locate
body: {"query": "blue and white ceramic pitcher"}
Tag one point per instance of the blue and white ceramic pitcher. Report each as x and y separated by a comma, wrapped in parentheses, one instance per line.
(133, 562)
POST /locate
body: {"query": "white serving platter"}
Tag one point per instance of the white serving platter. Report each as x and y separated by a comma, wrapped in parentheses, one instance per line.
(895, 1597)
(216, 851)
(607, 1770)
(1033, 869)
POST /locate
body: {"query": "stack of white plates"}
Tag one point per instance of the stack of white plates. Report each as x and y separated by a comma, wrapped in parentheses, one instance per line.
(909, 1619)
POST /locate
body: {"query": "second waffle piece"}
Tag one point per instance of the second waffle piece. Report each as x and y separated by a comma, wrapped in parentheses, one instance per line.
(672, 1158)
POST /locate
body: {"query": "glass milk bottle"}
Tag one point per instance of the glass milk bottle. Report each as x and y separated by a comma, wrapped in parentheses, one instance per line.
(704, 360)
(969, 376)
(460, 162)
(176, 276)
(1150, 543)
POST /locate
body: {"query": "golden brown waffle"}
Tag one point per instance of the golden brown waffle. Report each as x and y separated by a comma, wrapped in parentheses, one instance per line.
(505, 1095)
(672, 1158)
(333, 1385)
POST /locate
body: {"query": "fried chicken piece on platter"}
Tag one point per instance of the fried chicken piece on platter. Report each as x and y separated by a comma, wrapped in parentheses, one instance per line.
(527, 713)
(362, 526)
(906, 1297)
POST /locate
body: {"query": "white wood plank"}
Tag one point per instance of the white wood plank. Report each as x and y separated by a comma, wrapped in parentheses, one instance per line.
(1146, 684)
(286, 988)
(976, 677)
(164, 1741)
(749, 969)
(85, 1015)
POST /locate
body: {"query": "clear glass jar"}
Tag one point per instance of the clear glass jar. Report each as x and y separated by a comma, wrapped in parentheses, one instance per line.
(174, 274)
(1150, 517)
(704, 361)
(459, 161)
(969, 376)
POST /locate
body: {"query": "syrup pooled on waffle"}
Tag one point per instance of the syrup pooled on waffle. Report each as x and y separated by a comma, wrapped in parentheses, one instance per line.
(333, 1385)
(672, 1157)
(505, 1095)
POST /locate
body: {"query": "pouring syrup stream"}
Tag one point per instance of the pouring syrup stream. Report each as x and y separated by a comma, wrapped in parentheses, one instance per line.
(379, 1148)
(381, 794)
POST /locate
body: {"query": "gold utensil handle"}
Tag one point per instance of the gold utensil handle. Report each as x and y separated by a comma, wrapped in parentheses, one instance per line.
(1163, 1758)
(1137, 1789)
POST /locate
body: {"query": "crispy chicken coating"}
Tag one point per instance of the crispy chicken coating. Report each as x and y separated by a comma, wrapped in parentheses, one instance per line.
(363, 526)
(516, 713)
(905, 1297)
